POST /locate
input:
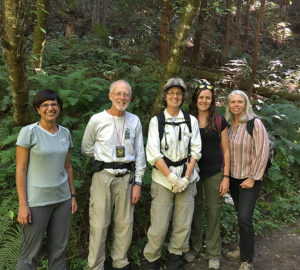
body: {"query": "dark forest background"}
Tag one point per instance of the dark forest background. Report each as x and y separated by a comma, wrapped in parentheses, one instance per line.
(78, 47)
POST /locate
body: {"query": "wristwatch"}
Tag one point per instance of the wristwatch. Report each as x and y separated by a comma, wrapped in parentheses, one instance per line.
(138, 183)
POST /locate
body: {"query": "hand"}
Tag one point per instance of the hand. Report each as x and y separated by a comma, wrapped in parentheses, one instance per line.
(24, 215)
(73, 205)
(135, 194)
(181, 185)
(248, 183)
(224, 186)
(172, 178)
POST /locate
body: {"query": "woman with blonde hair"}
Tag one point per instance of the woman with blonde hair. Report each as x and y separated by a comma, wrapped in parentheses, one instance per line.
(249, 156)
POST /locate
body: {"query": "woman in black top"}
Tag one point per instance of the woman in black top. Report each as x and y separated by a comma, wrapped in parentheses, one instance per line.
(214, 174)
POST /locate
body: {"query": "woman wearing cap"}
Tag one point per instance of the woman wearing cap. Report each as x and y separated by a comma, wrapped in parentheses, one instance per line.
(249, 156)
(214, 175)
(173, 147)
(44, 179)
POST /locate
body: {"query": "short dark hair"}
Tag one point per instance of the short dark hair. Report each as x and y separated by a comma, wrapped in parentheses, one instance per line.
(44, 95)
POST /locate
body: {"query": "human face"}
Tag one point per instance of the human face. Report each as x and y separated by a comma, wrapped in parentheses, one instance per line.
(174, 97)
(204, 100)
(120, 97)
(49, 110)
(237, 105)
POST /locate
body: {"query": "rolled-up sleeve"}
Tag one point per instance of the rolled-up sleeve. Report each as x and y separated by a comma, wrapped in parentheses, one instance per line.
(140, 163)
(260, 151)
(153, 144)
(196, 144)
(89, 139)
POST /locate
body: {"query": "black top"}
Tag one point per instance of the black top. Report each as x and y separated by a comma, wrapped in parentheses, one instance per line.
(211, 160)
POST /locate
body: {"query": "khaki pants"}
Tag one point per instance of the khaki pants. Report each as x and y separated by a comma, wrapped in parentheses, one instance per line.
(213, 204)
(167, 206)
(110, 196)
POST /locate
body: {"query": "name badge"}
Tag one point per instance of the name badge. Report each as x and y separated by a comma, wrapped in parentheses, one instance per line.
(127, 134)
(120, 151)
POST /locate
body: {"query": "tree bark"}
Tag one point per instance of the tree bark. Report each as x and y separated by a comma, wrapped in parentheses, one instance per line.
(104, 12)
(13, 49)
(227, 33)
(247, 25)
(95, 12)
(256, 46)
(165, 25)
(199, 32)
(177, 49)
(238, 21)
(39, 36)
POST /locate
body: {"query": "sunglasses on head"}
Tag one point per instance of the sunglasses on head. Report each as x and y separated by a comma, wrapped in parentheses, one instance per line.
(205, 86)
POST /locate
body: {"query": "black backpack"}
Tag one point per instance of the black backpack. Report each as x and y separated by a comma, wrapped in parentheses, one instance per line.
(249, 127)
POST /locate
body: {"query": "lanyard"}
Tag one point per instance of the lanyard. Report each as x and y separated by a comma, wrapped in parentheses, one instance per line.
(120, 141)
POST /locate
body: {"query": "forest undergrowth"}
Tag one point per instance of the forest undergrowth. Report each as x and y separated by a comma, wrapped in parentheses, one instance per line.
(81, 72)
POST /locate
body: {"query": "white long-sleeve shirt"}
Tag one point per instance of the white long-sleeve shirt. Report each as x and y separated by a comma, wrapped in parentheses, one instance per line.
(100, 140)
(177, 150)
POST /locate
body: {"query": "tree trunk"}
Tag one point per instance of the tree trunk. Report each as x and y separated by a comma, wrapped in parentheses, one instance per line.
(165, 25)
(256, 46)
(39, 39)
(95, 10)
(238, 22)
(247, 25)
(199, 32)
(104, 12)
(177, 49)
(227, 33)
(13, 48)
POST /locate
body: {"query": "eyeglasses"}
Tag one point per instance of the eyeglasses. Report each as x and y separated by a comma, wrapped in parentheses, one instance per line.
(178, 94)
(120, 94)
(46, 105)
(205, 86)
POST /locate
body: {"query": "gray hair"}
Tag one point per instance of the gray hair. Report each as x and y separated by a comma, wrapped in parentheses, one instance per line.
(113, 84)
(247, 113)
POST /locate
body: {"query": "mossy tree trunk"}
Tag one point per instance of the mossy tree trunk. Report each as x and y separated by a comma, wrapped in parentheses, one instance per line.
(13, 45)
(172, 67)
(199, 32)
(227, 32)
(256, 46)
(165, 25)
(39, 38)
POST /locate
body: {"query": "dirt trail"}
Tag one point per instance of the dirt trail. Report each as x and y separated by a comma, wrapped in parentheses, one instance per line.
(274, 251)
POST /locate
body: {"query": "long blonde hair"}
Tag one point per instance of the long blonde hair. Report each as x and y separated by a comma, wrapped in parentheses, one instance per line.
(247, 113)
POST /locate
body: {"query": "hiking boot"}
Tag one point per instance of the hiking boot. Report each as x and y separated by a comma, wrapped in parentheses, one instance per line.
(189, 257)
(213, 264)
(126, 267)
(234, 254)
(152, 265)
(246, 266)
(175, 262)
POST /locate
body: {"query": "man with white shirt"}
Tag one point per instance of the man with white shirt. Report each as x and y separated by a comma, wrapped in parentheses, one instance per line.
(114, 138)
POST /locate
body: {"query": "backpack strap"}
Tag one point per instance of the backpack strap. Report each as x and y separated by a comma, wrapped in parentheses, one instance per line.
(250, 125)
(219, 129)
(161, 126)
(187, 119)
(219, 124)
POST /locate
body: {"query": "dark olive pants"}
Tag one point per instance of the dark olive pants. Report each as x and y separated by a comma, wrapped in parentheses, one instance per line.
(53, 222)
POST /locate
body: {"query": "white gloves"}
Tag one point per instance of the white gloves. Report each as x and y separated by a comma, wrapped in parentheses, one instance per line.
(178, 184)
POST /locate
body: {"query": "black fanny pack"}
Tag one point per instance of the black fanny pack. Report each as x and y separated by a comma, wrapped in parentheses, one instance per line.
(98, 166)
